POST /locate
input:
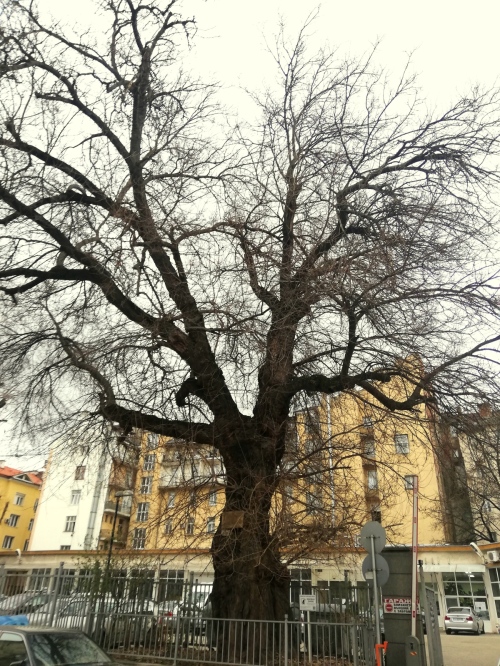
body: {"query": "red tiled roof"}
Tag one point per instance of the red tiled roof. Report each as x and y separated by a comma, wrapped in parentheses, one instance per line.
(11, 472)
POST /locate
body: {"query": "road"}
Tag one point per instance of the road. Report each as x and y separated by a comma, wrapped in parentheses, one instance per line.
(471, 650)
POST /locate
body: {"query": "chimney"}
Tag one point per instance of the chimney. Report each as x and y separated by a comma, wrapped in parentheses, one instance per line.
(2, 463)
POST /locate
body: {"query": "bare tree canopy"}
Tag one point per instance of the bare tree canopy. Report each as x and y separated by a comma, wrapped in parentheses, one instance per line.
(162, 271)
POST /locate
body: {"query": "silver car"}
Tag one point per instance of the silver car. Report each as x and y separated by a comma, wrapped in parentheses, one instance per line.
(463, 618)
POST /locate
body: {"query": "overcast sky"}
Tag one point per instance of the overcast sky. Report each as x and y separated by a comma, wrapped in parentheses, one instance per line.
(454, 45)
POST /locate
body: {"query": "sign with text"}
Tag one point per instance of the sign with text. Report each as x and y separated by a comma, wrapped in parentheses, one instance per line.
(397, 605)
(307, 602)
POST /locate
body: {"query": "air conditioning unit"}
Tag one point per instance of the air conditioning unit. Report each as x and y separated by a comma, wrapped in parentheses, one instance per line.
(493, 555)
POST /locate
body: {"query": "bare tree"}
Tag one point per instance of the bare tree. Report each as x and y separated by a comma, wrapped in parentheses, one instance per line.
(161, 276)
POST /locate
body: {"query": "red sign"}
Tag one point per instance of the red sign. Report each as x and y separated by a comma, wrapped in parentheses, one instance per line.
(397, 605)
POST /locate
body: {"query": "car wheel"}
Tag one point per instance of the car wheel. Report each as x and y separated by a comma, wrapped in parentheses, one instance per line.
(448, 631)
(478, 630)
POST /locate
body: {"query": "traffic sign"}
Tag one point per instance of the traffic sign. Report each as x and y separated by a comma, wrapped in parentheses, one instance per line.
(375, 530)
(382, 570)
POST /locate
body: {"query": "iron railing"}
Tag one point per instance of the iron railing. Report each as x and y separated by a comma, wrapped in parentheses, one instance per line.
(157, 614)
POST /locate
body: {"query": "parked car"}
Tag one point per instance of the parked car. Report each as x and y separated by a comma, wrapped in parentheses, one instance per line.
(43, 646)
(24, 603)
(463, 618)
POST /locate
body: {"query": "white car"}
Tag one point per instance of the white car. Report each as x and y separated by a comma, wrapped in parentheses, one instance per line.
(463, 618)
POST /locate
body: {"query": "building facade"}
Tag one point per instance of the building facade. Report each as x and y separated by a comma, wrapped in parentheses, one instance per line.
(78, 501)
(19, 500)
(347, 462)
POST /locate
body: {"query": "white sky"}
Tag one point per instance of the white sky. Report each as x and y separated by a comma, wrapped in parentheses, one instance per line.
(455, 44)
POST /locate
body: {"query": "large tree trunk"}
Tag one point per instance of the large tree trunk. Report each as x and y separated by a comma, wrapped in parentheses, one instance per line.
(250, 582)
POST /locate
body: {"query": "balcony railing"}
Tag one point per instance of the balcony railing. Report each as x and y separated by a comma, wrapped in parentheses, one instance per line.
(110, 506)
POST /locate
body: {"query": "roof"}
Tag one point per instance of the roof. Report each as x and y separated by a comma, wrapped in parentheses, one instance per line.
(12, 473)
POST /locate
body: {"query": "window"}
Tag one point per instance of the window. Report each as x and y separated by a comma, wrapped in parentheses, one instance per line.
(35, 506)
(146, 485)
(65, 548)
(40, 578)
(372, 479)
(149, 462)
(169, 527)
(402, 443)
(312, 426)
(370, 448)
(70, 524)
(212, 498)
(26, 544)
(152, 441)
(12, 520)
(126, 504)
(139, 538)
(80, 473)
(466, 588)
(487, 506)
(190, 526)
(76, 496)
(376, 513)
(300, 583)
(409, 481)
(313, 502)
(171, 585)
(211, 525)
(13, 649)
(142, 512)
(7, 541)
(19, 499)
(171, 500)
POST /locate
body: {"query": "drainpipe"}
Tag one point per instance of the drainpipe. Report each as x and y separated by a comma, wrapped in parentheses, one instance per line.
(330, 454)
(88, 542)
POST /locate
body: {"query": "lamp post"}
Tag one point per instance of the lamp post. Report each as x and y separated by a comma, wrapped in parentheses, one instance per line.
(100, 619)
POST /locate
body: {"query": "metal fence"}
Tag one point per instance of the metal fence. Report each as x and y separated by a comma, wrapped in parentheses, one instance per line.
(158, 615)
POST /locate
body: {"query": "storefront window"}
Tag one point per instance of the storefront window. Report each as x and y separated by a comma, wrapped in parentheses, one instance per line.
(466, 589)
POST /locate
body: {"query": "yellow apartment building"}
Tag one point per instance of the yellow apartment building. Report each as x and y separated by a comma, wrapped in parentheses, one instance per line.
(178, 495)
(348, 461)
(19, 496)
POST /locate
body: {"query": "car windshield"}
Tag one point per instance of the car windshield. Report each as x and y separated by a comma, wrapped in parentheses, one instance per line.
(459, 609)
(56, 649)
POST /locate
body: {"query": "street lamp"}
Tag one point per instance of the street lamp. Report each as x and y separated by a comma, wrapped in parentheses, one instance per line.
(100, 616)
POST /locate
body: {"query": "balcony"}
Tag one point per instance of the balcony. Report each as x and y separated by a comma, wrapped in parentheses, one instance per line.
(372, 494)
(178, 480)
(119, 538)
(110, 505)
(171, 481)
(368, 461)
